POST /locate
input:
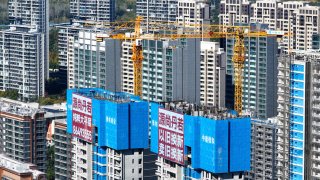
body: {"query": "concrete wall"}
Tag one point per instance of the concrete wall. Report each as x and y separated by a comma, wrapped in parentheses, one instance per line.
(186, 69)
(113, 65)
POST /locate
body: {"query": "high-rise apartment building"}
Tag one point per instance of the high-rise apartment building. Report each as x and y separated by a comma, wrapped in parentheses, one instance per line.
(34, 14)
(25, 49)
(66, 37)
(195, 142)
(297, 18)
(22, 62)
(97, 64)
(115, 127)
(212, 70)
(212, 74)
(62, 150)
(127, 71)
(307, 21)
(263, 150)
(157, 10)
(187, 13)
(283, 117)
(286, 21)
(259, 87)
(294, 17)
(286, 13)
(234, 11)
(96, 10)
(265, 12)
(171, 70)
(298, 116)
(23, 132)
(81, 12)
(192, 14)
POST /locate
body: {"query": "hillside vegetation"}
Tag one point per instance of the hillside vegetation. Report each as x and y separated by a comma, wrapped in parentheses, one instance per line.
(59, 11)
(125, 10)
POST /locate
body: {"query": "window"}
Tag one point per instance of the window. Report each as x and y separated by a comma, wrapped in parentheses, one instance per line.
(132, 161)
(132, 170)
(140, 161)
(140, 170)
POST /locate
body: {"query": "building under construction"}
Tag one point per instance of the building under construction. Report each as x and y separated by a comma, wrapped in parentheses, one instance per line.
(199, 142)
(110, 134)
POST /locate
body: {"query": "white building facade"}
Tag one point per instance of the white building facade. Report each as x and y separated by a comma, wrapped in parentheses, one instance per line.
(127, 71)
(213, 72)
(97, 10)
(22, 62)
(193, 14)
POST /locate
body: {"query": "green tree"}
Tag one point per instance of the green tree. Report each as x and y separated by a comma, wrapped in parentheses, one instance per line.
(215, 11)
(59, 11)
(50, 163)
(11, 94)
(53, 49)
(125, 10)
(51, 100)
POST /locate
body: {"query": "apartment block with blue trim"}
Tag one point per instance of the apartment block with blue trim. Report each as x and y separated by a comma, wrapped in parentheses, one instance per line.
(110, 133)
(194, 142)
(259, 89)
(299, 116)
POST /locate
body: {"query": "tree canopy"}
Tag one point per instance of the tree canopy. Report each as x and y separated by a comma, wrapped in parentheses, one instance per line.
(11, 94)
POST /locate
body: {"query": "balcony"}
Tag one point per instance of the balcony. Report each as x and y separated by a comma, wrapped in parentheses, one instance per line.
(316, 166)
(117, 166)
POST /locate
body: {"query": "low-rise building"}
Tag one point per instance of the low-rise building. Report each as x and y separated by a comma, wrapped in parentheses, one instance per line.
(23, 132)
(62, 150)
(17, 170)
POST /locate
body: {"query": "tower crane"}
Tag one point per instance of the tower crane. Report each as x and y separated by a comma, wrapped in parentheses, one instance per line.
(239, 33)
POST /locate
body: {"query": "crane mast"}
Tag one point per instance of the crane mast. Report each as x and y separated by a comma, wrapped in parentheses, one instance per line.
(137, 58)
(238, 60)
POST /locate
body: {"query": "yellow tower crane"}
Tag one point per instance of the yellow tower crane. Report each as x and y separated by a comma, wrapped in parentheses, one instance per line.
(239, 33)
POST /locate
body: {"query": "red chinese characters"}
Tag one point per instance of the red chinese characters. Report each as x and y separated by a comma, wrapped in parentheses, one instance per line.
(171, 136)
(82, 117)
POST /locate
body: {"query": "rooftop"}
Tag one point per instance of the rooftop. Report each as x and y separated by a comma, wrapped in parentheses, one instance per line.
(101, 94)
(269, 121)
(61, 121)
(18, 108)
(196, 110)
(86, 26)
(19, 167)
(55, 110)
(301, 55)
